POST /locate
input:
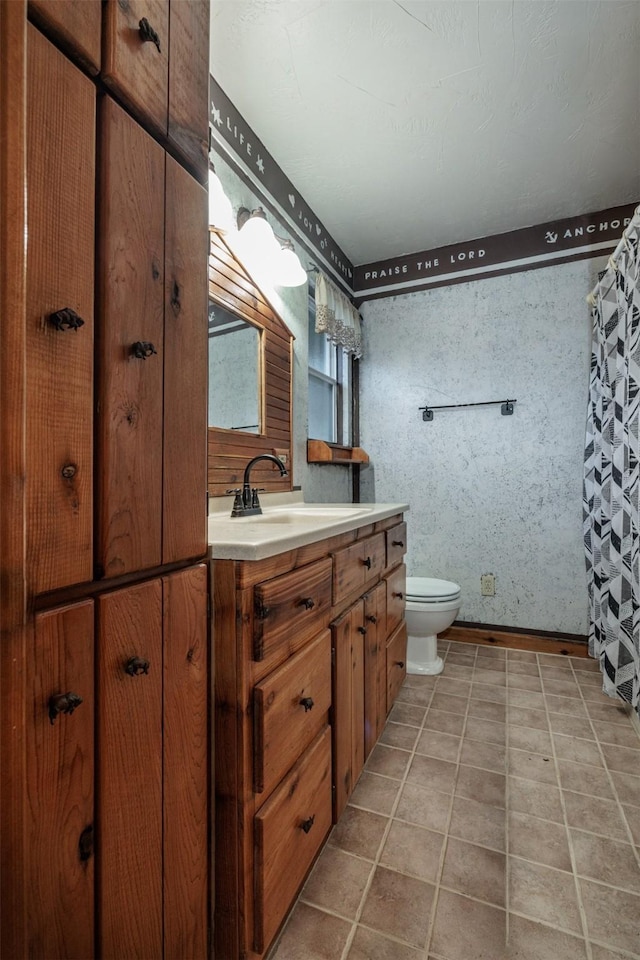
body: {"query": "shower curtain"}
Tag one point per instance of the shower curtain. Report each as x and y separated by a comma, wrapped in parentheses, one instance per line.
(611, 481)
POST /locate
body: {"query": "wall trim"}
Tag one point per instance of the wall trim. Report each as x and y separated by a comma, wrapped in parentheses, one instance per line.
(514, 638)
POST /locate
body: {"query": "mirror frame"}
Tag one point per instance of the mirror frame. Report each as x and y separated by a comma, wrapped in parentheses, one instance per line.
(229, 451)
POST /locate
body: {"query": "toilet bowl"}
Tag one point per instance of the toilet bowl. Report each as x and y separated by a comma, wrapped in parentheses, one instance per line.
(431, 606)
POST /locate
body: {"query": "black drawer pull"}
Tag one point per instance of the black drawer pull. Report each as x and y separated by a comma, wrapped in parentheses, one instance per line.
(136, 665)
(307, 703)
(399, 595)
(307, 603)
(362, 630)
(372, 619)
(308, 823)
(400, 663)
(142, 349)
(367, 562)
(147, 33)
(397, 543)
(65, 319)
(63, 703)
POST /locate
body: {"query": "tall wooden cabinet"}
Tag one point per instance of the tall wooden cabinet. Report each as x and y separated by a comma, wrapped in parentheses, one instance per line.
(104, 654)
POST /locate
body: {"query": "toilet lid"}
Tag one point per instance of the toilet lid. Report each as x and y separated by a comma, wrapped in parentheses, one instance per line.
(430, 590)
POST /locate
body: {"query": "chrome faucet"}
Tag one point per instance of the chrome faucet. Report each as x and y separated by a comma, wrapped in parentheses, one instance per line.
(247, 503)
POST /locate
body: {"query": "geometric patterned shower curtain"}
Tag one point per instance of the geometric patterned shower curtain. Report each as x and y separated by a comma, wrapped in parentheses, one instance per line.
(611, 480)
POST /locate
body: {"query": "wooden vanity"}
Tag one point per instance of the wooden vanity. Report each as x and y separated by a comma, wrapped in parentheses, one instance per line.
(310, 648)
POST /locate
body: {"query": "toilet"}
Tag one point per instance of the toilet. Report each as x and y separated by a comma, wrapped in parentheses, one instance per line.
(431, 606)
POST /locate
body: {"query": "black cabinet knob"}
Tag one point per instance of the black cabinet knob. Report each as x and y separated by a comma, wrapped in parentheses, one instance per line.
(307, 703)
(63, 703)
(135, 666)
(65, 319)
(372, 619)
(308, 823)
(367, 562)
(397, 543)
(142, 349)
(148, 34)
(308, 603)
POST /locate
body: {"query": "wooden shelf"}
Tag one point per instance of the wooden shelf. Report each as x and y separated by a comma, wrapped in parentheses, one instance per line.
(318, 451)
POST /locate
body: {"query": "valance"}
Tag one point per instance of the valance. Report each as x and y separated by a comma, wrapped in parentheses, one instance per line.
(337, 317)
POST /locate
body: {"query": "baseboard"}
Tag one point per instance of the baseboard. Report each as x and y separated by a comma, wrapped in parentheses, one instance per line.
(516, 640)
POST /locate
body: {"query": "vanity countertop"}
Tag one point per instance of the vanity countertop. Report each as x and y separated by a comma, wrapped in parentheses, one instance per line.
(285, 526)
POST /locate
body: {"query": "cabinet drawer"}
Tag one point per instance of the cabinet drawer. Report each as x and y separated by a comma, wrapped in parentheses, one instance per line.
(396, 663)
(289, 830)
(291, 607)
(291, 706)
(396, 539)
(396, 587)
(356, 565)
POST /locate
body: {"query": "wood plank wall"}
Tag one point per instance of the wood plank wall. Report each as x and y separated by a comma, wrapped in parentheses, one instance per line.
(230, 450)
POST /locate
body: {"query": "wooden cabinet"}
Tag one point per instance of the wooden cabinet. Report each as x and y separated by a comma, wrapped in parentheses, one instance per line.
(104, 765)
(301, 696)
(153, 58)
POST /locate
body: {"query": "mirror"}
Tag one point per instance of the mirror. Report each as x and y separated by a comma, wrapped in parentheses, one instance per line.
(235, 350)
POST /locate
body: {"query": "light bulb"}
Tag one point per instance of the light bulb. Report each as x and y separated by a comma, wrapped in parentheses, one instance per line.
(288, 270)
(220, 209)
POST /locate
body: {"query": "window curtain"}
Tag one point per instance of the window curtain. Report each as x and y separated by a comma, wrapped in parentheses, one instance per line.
(611, 485)
(337, 317)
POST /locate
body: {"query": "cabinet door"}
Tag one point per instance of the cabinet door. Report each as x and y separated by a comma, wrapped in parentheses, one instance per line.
(396, 588)
(189, 82)
(60, 266)
(130, 349)
(375, 671)
(186, 354)
(75, 25)
(134, 64)
(396, 662)
(348, 703)
(185, 765)
(130, 771)
(60, 873)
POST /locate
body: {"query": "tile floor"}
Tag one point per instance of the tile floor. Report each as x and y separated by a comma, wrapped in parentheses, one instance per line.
(498, 817)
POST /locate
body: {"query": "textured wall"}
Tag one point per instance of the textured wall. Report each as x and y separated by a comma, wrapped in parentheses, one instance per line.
(488, 494)
(328, 484)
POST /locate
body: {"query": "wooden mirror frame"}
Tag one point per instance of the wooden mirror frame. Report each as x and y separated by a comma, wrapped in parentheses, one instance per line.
(229, 451)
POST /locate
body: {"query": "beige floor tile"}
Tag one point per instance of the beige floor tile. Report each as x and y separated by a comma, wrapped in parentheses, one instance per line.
(487, 710)
(595, 815)
(612, 916)
(578, 750)
(531, 766)
(524, 668)
(522, 681)
(495, 653)
(623, 759)
(522, 655)
(337, 882)
(571, 726)
(388, 761)
(399, 735)
(535, 798)
(419, 696)
(627, 787)
(425, 806)
(459, 646)
(370, 945)
(539, 840)
(566, 705)
(474, 872)
(584, 778)
(486, 731)
(616, 733)
(375, 793)
(561, 688)
(399, 905)
(545, 894)
(526, 738)
(465, 929)
(478, 823)
(444, 746)
(458, 671)
(445, 722)
(453, 688)
(489, 756)
(312, 933)
(553, 660)
(556, 672)
(632, 816)
(421, 681)
(359, 832)
(431, 772)
(530, 940)
(532, 699)
(448, 703)
(498, 665)
(585, 663)
(465, 660)
(611, 711)
(482, 785)
(413, 850)
(606, 860)
(408, 713)
(604, 953)
(526, 717)
(489, 691)
(591, 691)
(496, 678)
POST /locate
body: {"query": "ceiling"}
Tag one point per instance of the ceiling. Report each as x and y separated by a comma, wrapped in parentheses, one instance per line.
(407, 125)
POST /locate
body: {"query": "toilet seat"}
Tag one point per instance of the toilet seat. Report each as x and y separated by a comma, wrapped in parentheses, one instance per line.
(428, 590)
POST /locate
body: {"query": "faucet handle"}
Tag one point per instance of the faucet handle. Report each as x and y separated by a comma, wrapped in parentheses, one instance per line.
(255, 501)
(238, 506)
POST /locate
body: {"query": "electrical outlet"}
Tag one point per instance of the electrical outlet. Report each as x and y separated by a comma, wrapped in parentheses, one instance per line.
(487, 585)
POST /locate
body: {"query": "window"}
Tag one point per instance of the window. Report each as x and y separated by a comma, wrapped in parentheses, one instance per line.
(329, 385)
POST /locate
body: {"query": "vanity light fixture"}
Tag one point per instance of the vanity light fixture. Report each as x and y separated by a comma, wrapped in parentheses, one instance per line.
(220, 209)
(266, 251)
